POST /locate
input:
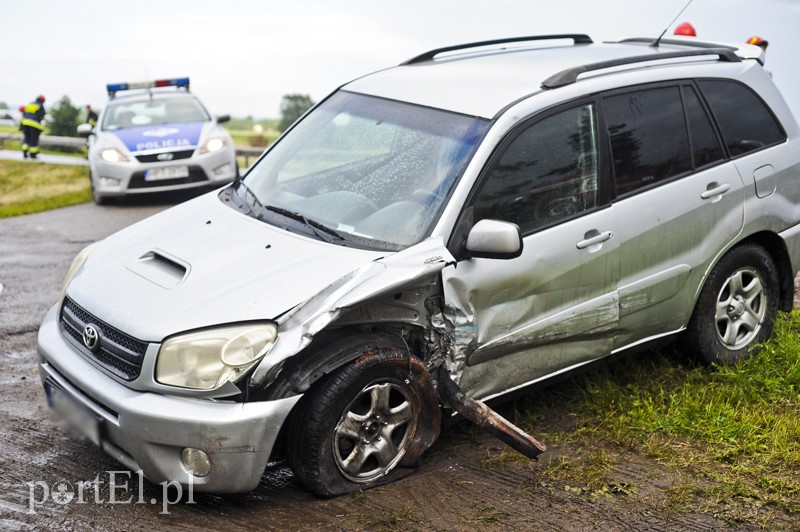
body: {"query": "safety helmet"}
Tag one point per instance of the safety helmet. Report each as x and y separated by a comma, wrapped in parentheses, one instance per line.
(758, 41)
(40, 98)
(21, 108)
(684, 28)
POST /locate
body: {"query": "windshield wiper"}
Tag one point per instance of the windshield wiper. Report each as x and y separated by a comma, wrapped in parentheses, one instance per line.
(319, 229)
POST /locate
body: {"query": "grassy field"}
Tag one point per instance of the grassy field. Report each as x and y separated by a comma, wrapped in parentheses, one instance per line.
(733, 432)
(27, 187)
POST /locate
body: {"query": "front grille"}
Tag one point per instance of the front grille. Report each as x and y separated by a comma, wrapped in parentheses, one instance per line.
(196, 175)
(176, 155)
(117, 352)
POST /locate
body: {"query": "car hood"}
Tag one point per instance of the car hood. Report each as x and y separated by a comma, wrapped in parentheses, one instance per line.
(202, 264)
(163, 136)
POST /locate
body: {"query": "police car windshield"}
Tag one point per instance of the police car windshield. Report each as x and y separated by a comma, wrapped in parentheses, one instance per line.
(378, 172)
(122, 114)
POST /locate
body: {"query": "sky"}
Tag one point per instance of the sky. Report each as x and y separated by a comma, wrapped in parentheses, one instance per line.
(243, 55)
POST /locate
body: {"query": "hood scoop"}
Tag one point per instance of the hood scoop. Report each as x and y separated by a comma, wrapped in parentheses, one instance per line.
(160, 268)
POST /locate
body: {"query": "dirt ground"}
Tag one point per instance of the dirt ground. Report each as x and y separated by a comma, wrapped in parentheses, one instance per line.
(466, 482)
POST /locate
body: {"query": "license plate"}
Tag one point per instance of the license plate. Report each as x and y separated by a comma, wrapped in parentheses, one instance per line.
(166, 172)
(75, 413)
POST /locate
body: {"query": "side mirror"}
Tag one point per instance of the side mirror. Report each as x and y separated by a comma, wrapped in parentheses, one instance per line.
(84, 130)
(494, 239)
(223, 118)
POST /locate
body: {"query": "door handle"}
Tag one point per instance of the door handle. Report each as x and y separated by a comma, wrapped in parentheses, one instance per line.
(594, 240)
(718, 190)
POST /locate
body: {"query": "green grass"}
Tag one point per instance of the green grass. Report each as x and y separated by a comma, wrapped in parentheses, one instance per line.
(735, 429)
(27, 187)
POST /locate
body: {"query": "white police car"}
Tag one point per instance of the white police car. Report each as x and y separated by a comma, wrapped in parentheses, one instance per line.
(157, 140)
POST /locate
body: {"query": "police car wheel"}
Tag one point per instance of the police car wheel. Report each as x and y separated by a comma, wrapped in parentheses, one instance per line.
(99, 199)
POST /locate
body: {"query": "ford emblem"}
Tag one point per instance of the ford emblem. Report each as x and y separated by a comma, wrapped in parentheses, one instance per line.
(164, 156)
(91, 338)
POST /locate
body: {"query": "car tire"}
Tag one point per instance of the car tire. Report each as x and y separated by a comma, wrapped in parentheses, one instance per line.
(737, 307)
(365, 425)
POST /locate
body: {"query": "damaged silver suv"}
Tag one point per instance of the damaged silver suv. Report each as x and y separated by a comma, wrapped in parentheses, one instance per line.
(428, 238)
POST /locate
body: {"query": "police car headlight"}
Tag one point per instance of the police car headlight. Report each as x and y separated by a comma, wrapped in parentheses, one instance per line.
(213, 144)
(208, 359)
(113, 155)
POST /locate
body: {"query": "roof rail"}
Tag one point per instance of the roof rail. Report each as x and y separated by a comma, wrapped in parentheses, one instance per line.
(570, 75)
(692, 43)
(577, 38)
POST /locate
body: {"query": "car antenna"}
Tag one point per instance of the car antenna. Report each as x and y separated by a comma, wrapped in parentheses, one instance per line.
(655, 43)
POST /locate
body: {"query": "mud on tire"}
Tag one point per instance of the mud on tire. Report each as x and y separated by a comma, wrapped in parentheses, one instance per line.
(737, 307)
(365, 425)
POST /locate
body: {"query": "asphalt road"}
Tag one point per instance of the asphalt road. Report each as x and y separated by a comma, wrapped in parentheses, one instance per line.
(37, 250)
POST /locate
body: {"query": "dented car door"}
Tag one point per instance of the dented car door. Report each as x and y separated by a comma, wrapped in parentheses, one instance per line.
(555, 306)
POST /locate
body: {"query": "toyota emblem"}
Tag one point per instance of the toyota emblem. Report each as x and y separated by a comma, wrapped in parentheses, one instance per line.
(91, 338)
(165, 156)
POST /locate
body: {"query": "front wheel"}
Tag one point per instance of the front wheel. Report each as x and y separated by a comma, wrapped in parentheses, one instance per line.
(736, 308)
(98, 198)
(365, 425)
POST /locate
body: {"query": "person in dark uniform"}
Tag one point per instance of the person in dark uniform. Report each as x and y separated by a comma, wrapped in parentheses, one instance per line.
(91, 116)
(32, 127)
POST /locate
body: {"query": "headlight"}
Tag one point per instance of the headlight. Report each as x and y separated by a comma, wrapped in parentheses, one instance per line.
(113, 155)
(213, 144)
(208, 359)
(80, 258)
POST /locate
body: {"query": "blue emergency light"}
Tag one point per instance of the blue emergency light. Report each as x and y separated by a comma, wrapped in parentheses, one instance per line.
(113, 88)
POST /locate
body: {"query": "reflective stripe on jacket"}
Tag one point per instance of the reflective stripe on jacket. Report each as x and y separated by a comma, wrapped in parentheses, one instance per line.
(33, 115)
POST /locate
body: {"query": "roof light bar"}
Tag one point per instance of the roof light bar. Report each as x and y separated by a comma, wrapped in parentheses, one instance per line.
(113, 88)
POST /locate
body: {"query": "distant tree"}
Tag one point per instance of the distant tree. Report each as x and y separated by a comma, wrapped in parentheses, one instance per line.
(3, 105)
(292, 107)
(64, 118)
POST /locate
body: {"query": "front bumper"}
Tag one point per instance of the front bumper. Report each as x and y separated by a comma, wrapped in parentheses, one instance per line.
(148, 431)
(205, 170)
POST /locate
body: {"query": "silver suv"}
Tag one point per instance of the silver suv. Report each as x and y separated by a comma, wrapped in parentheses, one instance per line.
(428, 238)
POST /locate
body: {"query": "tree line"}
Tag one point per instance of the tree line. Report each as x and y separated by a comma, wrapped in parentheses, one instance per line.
(64, 117)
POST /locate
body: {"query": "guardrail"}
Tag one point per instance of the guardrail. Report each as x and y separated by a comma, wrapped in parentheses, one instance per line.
(76, 142)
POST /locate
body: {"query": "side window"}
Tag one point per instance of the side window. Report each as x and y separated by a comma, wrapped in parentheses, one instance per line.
(746, 123)
(547, 173)
(705, 146)
(649, 139)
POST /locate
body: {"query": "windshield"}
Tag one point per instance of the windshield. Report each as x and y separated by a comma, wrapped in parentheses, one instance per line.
(121, 115)
(373, 172)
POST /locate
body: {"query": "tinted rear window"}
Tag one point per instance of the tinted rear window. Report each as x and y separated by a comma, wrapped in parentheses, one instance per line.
(649, 139)
(744, 120)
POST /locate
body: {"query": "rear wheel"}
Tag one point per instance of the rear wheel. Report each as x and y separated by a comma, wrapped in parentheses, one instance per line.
(365, 425)
(736, 308)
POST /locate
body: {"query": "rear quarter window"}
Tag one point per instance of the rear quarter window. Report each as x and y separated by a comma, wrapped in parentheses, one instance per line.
(744, 120)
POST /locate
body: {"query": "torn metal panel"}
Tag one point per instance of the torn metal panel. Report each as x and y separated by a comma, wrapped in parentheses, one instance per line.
(457, 337)
(393, 273)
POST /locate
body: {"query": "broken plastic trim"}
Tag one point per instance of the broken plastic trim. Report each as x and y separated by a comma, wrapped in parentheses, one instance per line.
(487, 419)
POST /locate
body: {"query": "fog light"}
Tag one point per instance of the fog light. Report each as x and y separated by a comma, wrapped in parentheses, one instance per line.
(108, 182)
(196, 461)
(225, 169)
